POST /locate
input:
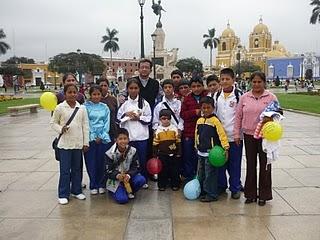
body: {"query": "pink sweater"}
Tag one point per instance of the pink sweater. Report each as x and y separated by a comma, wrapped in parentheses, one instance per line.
(249, 110)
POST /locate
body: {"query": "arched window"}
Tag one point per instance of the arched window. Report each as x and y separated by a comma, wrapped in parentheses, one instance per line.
(224, 46)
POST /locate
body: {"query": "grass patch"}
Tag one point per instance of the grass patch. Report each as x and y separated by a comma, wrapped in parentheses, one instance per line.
(11, 103)
(307, 103)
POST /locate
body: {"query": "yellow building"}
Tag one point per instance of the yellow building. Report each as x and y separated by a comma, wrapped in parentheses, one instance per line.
(260, 47)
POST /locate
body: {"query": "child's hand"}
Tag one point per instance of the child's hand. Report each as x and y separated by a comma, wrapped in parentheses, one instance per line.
(198, 112)
(98, 140)
(237, 141)
(130, 114)
(65, 129)
(85, 149)
(119, 177)
(126, 177)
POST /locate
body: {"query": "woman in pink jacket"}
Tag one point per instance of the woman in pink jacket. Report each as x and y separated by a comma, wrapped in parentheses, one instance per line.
(250, 106)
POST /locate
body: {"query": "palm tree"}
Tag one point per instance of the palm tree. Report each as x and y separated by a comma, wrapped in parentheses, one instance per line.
(110, 41)
(315, 12)
(3, 45)
(210, 42)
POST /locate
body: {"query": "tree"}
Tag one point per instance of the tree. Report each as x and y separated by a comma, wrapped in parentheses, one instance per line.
(190, 65)
(210, 42)
(17, 60)
(315, 17)
(110, 41)
(246, 66)
(74, 62)
(4, 47)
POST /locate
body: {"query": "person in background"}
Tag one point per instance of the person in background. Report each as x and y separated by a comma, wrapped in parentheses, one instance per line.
(176, 76)
(69, 78)
(184, 89)
(213, 84)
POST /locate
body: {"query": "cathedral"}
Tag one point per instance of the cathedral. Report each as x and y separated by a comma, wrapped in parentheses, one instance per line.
(260, 48)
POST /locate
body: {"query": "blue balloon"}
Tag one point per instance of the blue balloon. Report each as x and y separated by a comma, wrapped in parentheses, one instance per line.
(192, 189)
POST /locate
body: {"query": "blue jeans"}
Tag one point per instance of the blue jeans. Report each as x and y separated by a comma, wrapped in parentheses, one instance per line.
(142, 148)
(189, 159)
(208, 177)
(95, 164)
(70, 170)
(121, 196)
(233, 166)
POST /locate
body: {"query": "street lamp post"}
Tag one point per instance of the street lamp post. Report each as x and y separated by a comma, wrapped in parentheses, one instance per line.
(154, 36)
(141, 3)
(79, 66)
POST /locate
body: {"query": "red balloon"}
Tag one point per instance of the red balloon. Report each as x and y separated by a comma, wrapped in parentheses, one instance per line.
(154, 166)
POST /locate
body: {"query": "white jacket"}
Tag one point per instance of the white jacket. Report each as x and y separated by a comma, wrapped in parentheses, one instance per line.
(138, 130)
(175, 106)
(225, 109)
(78, 134)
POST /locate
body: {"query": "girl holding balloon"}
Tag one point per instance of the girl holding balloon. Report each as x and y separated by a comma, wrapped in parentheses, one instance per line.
(99, 139)
(135, 116)
(250, 106)
(73, 141)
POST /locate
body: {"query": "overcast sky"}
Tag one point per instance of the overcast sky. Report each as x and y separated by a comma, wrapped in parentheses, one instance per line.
(40, 29)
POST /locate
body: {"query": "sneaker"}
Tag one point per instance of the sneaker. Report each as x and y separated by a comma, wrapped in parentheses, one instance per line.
(208, 198)
(145, 186)
(94, 191)
(80, 196)
(102, 190)
(63, 201)
(130, 196)
(235, 195)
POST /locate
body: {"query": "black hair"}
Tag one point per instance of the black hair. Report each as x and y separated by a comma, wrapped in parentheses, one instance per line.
(122, 131)
(65, 76)
(66, 87)
(103, 79)
(196, 79)
(227, 71)
(259, 74)
(167, 81)
(207, 100)
(136, 81)
(144, 60)
(93, 88)
(165, 113)
(178, 72)
(184, 82)
(212, 78)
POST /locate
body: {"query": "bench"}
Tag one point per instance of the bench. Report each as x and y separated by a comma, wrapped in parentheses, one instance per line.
(14, 110)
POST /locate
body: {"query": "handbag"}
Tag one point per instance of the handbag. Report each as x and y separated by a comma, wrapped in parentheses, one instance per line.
(56, 140)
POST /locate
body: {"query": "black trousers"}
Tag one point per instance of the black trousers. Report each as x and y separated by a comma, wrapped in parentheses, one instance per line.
(170, 169)
(253, 148)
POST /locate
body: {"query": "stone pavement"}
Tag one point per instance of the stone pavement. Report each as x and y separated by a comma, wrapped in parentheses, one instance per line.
(29, 208)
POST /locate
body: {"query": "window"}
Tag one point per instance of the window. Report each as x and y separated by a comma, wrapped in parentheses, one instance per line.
(224, 46)
(125, 64)
(107, 64)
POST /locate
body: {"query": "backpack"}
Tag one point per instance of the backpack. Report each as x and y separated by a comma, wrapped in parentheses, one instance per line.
(237, 93)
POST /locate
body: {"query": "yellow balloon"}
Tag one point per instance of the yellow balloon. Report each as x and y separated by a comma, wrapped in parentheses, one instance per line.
(272, 131)
(48, 101)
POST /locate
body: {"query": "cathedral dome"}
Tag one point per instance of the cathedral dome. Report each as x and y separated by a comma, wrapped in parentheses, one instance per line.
(260, 28)
(279, 47)
(228, 32)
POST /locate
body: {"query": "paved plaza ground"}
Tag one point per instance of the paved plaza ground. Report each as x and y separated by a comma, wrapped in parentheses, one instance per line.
(29, 207)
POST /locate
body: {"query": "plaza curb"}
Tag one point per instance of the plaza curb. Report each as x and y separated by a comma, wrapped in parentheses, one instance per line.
(302, 112)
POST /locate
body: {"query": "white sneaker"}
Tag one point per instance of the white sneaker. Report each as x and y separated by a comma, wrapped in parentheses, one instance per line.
(130, 196)
(102, 190)
(94, 191)
(145, 186)
(80, 196)
(63, 201)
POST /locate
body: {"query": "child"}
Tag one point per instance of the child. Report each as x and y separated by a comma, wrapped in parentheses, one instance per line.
(209, 133)
(190, 112)
(176, 76)
(70, 78)
(122, 166)
(171, 103)
(166, 144)
(184, 90)
(213, 84)
(135, 116)
(99, 139)
(73, 140)
(226, 101)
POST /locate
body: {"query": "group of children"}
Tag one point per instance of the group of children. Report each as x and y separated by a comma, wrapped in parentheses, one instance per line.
(187, 123)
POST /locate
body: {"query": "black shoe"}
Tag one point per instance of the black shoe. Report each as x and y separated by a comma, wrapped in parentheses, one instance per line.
(235, 195)
(208, 198)
(262, 202)
(162, 189)
(175, 188)
(250, 200)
